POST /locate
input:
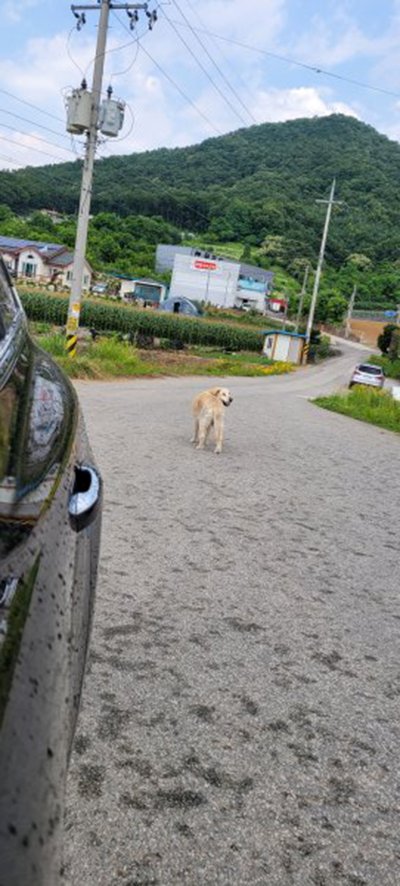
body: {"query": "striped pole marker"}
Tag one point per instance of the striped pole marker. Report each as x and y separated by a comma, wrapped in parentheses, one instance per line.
(306, 348)
(72, 329)
(70, 345)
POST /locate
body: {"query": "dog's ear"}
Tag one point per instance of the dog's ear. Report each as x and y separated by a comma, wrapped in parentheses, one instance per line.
(215, 391)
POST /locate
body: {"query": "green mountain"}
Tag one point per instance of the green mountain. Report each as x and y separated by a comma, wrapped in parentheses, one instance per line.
(252, 184)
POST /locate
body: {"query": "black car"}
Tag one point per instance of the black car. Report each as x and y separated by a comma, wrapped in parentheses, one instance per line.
(50, 514)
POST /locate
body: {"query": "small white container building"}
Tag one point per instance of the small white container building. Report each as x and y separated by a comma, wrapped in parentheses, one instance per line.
(284, 346)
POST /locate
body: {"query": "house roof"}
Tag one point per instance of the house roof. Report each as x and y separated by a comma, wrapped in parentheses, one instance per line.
(18, 244)
(53, 253)
(282, 332)
(255, 272)
(65, 258)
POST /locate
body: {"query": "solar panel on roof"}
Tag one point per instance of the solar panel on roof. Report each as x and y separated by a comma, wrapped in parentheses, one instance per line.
(17, 243)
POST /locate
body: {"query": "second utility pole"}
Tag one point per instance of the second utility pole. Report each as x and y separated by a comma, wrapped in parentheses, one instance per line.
(314, 297)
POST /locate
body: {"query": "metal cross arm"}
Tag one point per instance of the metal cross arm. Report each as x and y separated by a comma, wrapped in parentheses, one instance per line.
(125, 6)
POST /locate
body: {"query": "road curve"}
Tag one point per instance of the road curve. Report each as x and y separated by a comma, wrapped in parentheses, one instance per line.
(240, 718)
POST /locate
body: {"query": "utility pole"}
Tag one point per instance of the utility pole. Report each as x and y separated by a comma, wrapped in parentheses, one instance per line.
(92, 129)
(314, 297)
(301, 297)
(350, 312)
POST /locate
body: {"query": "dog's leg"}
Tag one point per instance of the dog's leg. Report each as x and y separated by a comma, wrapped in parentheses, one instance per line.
(202, 435)
(195, 431)
(210, 425)
(219, 434)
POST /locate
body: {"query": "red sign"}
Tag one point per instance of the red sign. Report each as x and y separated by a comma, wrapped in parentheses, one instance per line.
(202, 265)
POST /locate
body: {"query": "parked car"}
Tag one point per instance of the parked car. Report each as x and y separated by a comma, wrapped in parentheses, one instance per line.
(50, 513)
(367, 374)
(99, 289)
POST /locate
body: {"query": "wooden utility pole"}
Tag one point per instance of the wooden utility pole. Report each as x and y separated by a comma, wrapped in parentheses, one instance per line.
(350, 312)
(314, 297)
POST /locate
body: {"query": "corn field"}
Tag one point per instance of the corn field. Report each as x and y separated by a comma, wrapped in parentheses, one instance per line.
(128, 320)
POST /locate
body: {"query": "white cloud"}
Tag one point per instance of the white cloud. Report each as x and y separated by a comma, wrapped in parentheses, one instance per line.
(274, 105)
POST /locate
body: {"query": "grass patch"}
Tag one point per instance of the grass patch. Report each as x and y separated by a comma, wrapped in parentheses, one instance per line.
(109, 358)
(390, 367)
(104, 358)
(365, 404)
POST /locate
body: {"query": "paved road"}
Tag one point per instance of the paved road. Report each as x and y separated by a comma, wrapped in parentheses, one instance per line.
(240, 720)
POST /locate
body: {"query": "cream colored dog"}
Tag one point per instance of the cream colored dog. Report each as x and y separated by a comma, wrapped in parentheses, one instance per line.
(208, 412)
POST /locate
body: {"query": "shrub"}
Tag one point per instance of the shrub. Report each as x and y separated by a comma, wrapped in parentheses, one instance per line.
(384, 339)
(394, 347)
(128, 320)
(390, 367)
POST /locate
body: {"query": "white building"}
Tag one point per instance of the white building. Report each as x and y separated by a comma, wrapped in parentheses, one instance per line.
(205, 280)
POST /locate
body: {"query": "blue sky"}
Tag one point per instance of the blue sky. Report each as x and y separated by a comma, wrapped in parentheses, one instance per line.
(182, 84)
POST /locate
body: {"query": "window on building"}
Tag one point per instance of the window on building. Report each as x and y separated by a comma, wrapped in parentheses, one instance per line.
(29, 267)
(69, 276)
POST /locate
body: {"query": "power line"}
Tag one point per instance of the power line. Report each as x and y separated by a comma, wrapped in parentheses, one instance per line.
(31, 105)
(182, 93)
(33, 123)
(38, 138)
(316, 69)
(213, 62)
(31, 148)
(173, 83)
(204, 69)
(236, 73)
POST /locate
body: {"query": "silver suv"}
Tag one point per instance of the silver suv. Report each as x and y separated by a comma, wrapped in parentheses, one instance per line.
(367, 374)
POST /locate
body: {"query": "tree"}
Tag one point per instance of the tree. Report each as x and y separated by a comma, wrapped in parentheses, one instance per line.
(273, 246)
(246, 254)
(385, 338)
(335, 309)
(394, 347)
(359, 261)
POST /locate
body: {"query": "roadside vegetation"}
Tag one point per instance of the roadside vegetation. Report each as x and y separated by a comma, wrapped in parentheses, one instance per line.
(389, 344)
(109, 357)
(390, 367)
(365, 404)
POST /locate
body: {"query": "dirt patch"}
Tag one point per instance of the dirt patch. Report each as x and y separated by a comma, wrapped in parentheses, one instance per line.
(367, 331)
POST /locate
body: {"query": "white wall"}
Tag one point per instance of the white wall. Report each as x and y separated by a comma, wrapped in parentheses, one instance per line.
(216, 285)
(65, 278)
(31, 257)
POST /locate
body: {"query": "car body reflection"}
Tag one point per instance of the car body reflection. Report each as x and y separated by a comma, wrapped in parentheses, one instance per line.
(48, 566)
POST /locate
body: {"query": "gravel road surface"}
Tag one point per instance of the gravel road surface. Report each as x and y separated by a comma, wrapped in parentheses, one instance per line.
(240, 718)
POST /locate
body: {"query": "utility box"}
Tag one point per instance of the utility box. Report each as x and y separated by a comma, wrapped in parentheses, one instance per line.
(111, 117)
(284, 346)
(79, 109)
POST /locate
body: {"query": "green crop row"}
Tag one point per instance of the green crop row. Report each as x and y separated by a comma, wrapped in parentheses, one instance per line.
(128, 320)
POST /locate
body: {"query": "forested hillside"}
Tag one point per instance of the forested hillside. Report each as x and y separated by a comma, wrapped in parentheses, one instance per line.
(253, 191)
(254, 183)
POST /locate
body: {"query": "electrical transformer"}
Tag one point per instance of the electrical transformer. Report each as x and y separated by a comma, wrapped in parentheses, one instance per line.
(79, 107)
(111, 116)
